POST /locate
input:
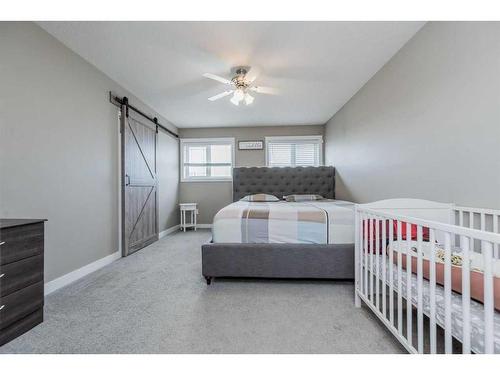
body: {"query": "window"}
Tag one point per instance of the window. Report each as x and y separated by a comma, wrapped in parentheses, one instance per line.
(294, 151)
(207, 159)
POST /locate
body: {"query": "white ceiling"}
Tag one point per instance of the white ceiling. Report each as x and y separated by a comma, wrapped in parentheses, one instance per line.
(317, 66)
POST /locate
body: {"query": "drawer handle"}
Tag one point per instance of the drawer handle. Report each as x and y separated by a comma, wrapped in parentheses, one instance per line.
(1, 307)
(1, 243)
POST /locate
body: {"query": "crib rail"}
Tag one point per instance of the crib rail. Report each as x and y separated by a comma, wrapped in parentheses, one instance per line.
(428, 303)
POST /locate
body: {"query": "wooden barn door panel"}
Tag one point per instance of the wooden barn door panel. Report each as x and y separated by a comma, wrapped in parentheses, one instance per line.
(139, 183)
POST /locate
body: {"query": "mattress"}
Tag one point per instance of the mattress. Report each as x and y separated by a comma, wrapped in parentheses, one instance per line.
(314, 222)
(476, 308)
(476, 266)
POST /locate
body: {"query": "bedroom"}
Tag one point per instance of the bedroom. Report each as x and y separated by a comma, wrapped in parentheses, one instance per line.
(203, 187)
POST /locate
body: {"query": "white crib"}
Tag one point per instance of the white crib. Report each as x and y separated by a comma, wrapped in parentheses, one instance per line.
(424, 313)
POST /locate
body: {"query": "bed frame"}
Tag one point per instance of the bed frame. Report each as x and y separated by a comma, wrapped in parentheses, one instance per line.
(455, 322)
(295, 261)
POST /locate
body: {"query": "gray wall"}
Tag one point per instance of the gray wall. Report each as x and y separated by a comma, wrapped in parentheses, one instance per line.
(59, 148)
(212, 196)
(168, 180)
(427, 125)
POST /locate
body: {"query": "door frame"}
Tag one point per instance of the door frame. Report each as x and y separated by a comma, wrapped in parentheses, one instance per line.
(119, 190)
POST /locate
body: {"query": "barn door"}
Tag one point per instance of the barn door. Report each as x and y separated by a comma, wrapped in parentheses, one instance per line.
(139, 182)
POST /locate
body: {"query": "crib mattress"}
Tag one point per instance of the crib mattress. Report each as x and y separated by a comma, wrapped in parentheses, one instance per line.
(476, 308)
(476, 268)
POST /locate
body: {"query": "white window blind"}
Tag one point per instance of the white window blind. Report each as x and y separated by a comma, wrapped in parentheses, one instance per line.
(208, 159)
(294, 151)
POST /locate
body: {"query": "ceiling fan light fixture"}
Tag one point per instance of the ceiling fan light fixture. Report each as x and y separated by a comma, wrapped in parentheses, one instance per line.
(238, 96)
(235, 100)
(249, 99)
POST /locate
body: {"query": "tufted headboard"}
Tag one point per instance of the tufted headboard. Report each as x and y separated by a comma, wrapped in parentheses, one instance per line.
(283, 181)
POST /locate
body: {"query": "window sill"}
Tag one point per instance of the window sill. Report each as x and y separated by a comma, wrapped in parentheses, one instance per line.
(209, 180)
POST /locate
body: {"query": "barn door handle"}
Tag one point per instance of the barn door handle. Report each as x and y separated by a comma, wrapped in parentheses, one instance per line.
(127, 180)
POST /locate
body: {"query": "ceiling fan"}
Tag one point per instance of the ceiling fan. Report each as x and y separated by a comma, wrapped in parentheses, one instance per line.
(241, 86)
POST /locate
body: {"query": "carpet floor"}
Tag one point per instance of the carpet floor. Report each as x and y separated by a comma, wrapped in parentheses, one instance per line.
(156, 301)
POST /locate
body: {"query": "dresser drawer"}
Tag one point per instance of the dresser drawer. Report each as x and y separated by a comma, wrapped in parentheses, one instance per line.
(20, 274)
(21, 326)
(21, 242)
(19, 304)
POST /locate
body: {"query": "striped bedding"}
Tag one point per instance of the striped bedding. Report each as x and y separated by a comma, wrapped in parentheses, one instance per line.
(313, 222)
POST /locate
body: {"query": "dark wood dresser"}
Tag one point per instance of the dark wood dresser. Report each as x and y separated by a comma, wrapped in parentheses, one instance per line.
(21, 276)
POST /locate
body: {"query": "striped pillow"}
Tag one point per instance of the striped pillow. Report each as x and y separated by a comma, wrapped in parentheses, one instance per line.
(260, 198)
(302, 197)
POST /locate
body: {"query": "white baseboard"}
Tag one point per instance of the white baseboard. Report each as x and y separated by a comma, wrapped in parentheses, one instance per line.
(67, 279)
(204, 226)
(177, 227)
(167, 231)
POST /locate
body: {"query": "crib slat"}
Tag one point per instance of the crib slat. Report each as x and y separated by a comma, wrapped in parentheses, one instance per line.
(409, 306)
(391, 270)
(488, 296)
(447, 293)
(365, 256)
(471, 225)
(461, 220)
(400, 286)
(361, 252)
(420, 287)
(432, 291)
(464, 242)
(384, 268)
(377, 263)
(358, 238)
(370, 245)
(495, 229)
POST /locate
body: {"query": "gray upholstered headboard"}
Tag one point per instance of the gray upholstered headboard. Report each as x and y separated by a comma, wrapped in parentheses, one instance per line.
(283, 181)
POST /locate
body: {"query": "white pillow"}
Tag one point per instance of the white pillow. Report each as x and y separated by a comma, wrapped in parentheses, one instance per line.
(260, 198)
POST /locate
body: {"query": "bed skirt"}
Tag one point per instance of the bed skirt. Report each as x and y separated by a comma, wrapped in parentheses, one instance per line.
(295, 261)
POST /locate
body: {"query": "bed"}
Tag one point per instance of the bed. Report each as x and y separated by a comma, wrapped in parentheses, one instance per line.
(307, 240)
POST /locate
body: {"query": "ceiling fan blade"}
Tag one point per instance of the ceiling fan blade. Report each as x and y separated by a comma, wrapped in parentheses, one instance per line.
(221, 95)
(265, 90)
(252, 74)
(217, 78)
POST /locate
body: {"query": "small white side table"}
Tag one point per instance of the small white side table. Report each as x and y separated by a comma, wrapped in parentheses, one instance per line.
(193, 211)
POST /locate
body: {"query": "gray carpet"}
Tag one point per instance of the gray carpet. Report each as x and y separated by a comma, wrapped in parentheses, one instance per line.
(156, 301)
